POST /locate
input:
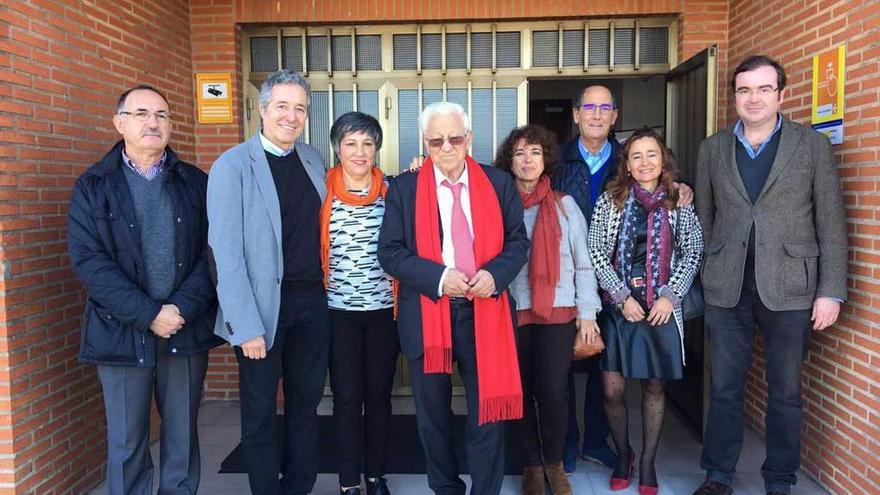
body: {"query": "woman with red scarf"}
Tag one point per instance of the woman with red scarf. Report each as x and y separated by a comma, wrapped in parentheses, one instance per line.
(360, 295)
(647, 253)
(556, 300)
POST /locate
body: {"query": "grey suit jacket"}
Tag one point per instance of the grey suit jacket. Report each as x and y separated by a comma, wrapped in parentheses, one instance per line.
(244, 232)
(800, 223)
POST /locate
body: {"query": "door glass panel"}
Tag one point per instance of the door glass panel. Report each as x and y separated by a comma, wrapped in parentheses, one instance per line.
(599, 47)
(481, 118)
(505, 108)
(319, 124)
(456, 50)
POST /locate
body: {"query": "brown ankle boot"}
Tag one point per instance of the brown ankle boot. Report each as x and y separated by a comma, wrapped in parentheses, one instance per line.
(559, 483)
(533, 480)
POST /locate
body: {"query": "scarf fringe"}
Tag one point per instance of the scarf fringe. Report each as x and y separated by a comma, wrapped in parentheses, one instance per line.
(494, 409)
(438, 359)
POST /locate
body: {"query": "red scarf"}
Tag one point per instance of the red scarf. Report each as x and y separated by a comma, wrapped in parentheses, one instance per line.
(544, 256)
(498, 379)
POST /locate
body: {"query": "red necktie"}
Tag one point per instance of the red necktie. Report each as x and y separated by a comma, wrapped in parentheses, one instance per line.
(462, 242)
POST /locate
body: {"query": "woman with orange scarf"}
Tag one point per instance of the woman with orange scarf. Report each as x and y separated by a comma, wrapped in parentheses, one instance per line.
(556, 300)
(364, 343)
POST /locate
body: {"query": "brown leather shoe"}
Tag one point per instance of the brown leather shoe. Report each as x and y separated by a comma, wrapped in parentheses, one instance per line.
(710, 487)
(533, 480)
(559, 483)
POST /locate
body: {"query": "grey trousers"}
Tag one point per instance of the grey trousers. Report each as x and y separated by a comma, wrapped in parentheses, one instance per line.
(177, 383)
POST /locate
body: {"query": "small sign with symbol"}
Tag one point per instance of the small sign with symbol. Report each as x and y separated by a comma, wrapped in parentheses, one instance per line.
(214, 98)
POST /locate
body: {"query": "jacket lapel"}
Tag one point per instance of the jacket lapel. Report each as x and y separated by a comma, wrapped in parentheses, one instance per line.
(266, 184)
(788, 144)
(728, 149)
(314, 166)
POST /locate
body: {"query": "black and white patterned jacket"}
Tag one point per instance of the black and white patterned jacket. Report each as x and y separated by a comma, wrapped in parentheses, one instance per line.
(686, 256)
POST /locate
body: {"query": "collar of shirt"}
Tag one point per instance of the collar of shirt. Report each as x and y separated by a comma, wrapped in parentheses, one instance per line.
(740, 132)
(151, 172)
(596, 161)
(439, 177)
(270, 147)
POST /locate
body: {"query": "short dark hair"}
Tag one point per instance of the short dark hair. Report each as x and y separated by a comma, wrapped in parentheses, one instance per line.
(753, 62)
(578, 98)
(352, 122)
(532, 134)
(120, 105)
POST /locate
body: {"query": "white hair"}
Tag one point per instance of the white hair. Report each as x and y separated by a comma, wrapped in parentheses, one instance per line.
(443, 108)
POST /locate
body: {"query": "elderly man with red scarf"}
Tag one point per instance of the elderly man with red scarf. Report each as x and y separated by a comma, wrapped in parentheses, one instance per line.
(453, 236)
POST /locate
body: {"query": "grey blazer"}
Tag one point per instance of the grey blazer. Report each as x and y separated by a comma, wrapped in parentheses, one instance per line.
(800, 224)
(244, 232)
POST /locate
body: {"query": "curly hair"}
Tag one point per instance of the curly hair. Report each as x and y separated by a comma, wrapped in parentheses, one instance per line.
(619, 186)
(532, 134)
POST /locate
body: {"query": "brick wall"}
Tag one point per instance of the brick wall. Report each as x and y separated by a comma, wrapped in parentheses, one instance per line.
(841, 433)
(62, 65)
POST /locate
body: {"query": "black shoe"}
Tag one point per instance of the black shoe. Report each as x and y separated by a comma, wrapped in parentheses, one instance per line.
(351, 491)
(378, 487)
(710, 487)
(776, 493)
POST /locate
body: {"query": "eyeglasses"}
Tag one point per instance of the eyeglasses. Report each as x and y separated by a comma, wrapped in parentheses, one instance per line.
(604, 108)
(762, 91)
(454, 141)
(144, 115)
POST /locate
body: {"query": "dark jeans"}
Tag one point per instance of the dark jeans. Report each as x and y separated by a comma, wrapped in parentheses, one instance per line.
(595, 423)
(433, 396)
(299, 355)
(786, 340)
(363, 359)
(544, 360)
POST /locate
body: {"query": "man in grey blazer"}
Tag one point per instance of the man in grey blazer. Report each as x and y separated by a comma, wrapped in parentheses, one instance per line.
(770, 202)
(264, 196)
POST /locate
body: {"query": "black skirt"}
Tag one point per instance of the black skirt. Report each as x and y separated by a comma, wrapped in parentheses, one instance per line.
(639, 350)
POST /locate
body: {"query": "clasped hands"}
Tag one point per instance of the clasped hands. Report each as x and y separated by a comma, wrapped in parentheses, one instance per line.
(659, 314)
(168, 321)
(457, 284)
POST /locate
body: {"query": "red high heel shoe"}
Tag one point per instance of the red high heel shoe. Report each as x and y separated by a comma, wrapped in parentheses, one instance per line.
(648, 489)
(623, 483)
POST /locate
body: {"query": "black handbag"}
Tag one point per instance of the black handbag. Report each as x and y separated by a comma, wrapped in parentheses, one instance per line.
(692, 304)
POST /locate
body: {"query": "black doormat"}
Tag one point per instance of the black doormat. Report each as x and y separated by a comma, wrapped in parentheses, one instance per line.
(405, 455)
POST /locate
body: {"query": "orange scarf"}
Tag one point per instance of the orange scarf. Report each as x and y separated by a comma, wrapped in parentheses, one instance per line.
(498, 379)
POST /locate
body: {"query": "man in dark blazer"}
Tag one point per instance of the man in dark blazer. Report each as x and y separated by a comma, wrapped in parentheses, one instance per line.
(461, 285)
(770, 202)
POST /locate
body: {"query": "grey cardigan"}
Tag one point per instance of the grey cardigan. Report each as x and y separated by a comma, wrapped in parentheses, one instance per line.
(244, 232)
(577, 285)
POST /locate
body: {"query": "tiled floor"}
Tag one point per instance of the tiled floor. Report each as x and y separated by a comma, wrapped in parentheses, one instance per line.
(677, 461)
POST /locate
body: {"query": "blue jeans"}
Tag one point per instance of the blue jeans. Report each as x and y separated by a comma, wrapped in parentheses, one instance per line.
(786, 340)
(595, 423)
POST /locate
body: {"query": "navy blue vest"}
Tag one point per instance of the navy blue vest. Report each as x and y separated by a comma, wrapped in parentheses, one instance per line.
(754, 173)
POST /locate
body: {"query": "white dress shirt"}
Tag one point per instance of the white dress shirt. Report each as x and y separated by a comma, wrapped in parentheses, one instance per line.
(444, 204)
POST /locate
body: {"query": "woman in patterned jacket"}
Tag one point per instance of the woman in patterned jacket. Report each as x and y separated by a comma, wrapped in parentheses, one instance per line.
(646, 252)
(364, 343)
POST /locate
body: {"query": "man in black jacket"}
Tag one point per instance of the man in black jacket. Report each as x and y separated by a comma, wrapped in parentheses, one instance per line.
(137, 234)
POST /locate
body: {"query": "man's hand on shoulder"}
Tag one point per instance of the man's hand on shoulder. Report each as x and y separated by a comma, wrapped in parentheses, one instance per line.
(685, 194)
(825, 312)
(167, 322)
